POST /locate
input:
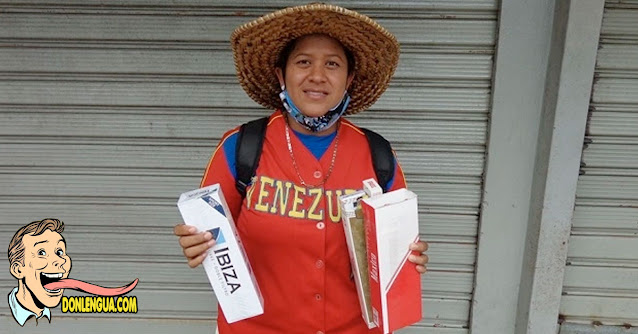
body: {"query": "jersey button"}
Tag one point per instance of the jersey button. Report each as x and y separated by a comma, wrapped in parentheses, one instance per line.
(318, 297)
(319, 332)
(320, 225)
(319, 264)
(317, 174)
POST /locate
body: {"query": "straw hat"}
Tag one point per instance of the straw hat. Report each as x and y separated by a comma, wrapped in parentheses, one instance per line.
(256, 47)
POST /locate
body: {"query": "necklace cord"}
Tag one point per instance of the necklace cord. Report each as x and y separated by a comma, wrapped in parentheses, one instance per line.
(294, 162)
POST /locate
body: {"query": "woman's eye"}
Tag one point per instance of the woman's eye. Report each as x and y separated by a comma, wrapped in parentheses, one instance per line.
(42, 252)
(333, 64)
(303, 62)
(59, 252)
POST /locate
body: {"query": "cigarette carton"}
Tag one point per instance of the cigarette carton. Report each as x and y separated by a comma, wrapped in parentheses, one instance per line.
(352, 217)
(391, 224)
(226, 264)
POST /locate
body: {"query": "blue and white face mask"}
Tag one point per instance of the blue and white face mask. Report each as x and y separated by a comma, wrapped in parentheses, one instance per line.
(315, 124)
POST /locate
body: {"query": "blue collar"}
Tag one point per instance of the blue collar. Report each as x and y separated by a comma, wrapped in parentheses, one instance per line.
(20, 314)
(316, 144)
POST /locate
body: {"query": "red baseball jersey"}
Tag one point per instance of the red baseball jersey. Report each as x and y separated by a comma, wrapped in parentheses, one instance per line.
(292, 233)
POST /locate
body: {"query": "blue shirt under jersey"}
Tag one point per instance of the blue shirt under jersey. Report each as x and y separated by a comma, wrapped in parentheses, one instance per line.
(316, 144)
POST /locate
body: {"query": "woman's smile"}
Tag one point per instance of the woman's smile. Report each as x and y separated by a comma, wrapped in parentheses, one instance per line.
(315, 94)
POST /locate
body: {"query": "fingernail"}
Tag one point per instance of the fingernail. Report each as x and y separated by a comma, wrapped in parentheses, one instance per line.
(412, 258)
(211, 243)
(192, 229)
(208, 236)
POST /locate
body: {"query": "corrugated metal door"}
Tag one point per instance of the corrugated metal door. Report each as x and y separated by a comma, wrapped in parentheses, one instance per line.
(601, 278)
(111, 109)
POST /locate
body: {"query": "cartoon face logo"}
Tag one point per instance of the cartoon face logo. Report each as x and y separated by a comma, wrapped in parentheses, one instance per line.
(37, 256)
(39, 261)
(45, 261)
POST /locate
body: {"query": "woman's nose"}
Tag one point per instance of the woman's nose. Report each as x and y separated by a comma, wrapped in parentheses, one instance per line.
(318, 73)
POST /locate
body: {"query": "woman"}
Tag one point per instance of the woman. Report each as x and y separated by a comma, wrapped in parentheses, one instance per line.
(311, 64)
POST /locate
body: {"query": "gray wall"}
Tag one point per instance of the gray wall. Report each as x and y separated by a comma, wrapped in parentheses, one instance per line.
(601, 278)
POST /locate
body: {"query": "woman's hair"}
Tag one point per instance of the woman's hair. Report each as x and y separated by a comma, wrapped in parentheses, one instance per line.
(287, 50)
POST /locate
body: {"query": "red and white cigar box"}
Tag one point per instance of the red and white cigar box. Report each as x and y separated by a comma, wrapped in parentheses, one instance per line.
(391, 224)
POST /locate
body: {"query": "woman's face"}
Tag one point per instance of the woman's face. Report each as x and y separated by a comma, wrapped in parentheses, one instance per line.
(316, 74)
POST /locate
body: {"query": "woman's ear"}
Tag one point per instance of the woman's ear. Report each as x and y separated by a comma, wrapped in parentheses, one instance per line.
(349, 80)
(16, 270)
(280, 77)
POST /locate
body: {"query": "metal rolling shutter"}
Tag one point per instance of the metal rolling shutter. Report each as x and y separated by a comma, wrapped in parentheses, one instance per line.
(601, 278)
(111, 109)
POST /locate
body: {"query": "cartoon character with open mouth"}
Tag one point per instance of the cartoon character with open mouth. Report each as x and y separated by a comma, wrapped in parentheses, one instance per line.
(38, 260)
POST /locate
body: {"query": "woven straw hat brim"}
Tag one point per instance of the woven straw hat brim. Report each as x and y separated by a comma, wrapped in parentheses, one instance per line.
(256, 47)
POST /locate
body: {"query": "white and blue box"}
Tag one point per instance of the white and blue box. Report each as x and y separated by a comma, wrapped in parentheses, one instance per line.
(226, 263)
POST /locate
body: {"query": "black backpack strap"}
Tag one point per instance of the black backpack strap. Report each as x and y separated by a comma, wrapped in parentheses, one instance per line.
(382, 157)
(249, 143)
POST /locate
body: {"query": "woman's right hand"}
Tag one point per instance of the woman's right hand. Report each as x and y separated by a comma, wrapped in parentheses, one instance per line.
(194, 245)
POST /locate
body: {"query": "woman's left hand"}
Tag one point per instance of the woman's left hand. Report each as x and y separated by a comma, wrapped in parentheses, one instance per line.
(422, 259)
